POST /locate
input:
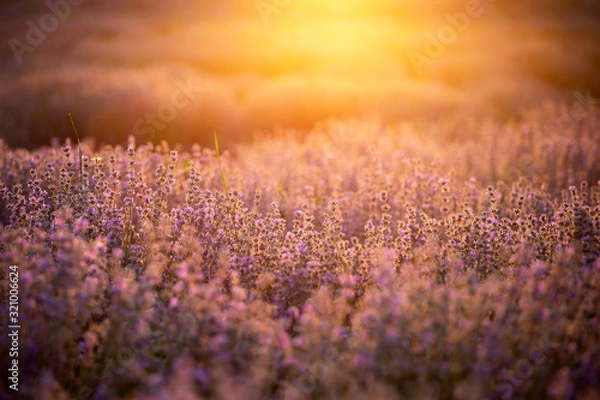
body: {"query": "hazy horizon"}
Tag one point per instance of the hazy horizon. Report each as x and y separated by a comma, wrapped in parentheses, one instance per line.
(291, 64)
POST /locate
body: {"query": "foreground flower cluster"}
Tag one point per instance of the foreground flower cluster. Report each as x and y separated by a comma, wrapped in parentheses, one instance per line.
(359, 262)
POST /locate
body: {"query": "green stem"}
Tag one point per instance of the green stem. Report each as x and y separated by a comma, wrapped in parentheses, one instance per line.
(78, 150)
(223, 179)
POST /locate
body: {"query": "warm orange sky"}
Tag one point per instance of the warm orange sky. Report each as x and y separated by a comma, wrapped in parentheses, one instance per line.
(252, 65)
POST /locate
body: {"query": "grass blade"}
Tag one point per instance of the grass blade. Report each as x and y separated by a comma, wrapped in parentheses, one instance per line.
(223, 178)
(78, 150)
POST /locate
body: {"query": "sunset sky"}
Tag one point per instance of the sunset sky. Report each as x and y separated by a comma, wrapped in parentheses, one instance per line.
(253, 65)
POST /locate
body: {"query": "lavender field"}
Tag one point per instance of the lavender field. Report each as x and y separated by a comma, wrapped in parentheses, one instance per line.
(355, 262)
(315, 199)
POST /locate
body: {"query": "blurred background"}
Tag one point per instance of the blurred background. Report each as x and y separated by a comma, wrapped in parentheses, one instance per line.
(182, 69)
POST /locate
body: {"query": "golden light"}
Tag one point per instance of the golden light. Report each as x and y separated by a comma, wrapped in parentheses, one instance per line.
(332, 37)
(292, 63)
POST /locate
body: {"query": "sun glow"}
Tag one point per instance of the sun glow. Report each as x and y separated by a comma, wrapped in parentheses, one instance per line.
(329, 37)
